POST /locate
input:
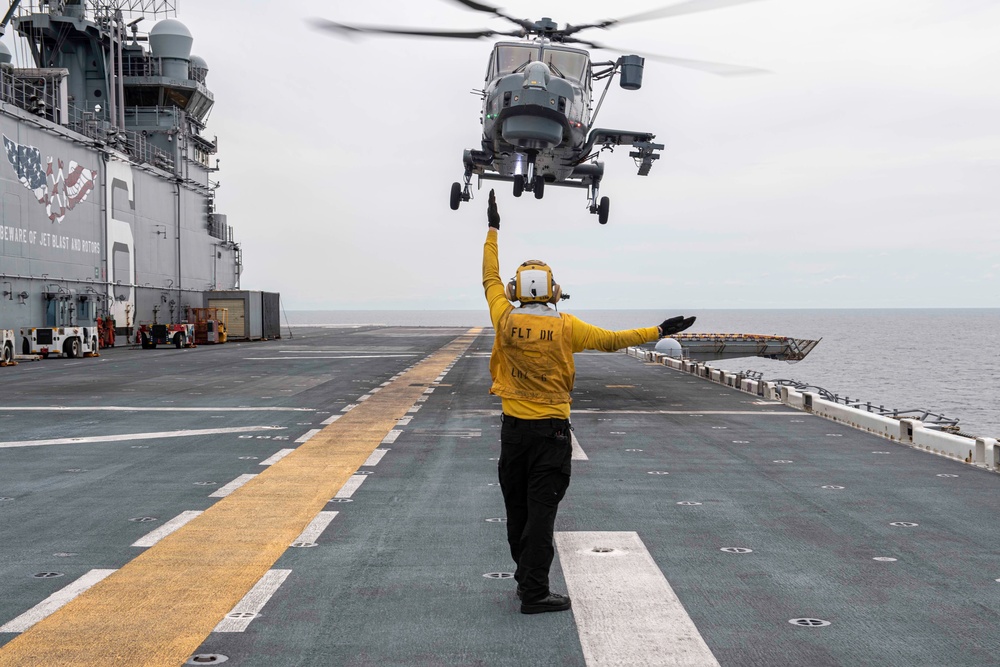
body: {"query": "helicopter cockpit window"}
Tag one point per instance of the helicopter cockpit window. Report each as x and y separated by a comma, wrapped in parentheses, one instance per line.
(510, 58)
(569, 64)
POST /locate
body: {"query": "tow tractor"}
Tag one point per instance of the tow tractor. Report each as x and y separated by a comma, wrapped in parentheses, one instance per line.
(180, 335)
(7, 353)
(70, 342)
(71, 329)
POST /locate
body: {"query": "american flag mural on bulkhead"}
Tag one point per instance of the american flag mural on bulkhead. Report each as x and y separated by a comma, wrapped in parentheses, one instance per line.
(56, 190)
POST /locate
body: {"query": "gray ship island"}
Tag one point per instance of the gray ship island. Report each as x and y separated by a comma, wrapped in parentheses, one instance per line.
(330, 497)
(109, 216)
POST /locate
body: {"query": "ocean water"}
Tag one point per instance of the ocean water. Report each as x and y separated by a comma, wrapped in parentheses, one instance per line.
(946, 361)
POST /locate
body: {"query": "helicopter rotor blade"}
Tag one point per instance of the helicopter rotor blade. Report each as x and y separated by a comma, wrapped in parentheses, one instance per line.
(353, 30)
(689, 7)
(490, 9)
(719, 69)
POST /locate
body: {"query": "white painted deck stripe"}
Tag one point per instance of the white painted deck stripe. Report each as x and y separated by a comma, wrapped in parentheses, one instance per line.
(403, 421)
(253, 601)
(125, 437)
(371, 352)
(375, 457)
(350, 486)
(626, 612)
(310, 358)
(224, 491)
(391, 436)
(362, 398)
(330, 420)
(415, 408)
(128, 408)
(277, 456)
(155, 536)
(316, 527)
(348, 408)
(578, 453)
(308, 434)
(54, 602)
(762, 413)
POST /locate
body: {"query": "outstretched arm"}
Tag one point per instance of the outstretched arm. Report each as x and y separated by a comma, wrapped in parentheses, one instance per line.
(588, 337)
(492, 283)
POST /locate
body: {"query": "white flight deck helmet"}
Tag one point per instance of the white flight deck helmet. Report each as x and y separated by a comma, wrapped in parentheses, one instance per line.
(533, 284)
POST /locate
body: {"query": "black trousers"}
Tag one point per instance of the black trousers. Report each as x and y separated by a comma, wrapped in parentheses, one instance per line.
(534, 472)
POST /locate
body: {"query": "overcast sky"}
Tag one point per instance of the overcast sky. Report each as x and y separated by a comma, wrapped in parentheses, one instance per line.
(864, 172)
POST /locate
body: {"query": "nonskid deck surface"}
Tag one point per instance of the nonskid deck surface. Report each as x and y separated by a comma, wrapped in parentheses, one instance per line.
(699, 521)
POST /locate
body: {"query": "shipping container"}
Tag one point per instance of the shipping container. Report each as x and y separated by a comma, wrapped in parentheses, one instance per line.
(271, 314)
(245, 312)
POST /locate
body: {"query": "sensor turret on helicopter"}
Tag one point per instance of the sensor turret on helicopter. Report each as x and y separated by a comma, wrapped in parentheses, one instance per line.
(538, 113)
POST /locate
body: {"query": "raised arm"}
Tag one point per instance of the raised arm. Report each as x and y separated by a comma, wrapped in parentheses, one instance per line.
(492, 283)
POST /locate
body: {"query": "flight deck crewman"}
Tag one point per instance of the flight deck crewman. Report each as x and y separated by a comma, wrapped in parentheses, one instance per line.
(533, 373)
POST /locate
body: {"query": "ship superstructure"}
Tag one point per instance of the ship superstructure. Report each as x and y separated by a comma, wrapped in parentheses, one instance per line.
(108, 197)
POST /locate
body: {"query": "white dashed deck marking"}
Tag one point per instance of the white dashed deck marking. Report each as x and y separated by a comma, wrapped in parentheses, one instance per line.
(277, 456)
(391, 436)
(311, 358)
(308, 434)
(126, 437)
(316, 527)
(155, 536)
(375, 457)
(249, 607)
(350, 486)
(224, 491)
(128, 408)
(625, 610)
(578, 453)
(54, 602)
(330, 420)
(762, 413)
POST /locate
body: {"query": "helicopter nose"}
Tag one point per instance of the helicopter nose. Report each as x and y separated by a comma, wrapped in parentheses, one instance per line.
(536, 75)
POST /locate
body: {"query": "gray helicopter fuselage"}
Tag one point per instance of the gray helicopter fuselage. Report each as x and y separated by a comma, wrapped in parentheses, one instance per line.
(536, 106)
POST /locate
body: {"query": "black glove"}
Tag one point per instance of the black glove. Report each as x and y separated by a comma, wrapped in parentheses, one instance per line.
(492, 214)
(674, 325)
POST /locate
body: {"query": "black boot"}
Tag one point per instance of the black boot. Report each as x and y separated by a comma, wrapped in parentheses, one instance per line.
(551, 602)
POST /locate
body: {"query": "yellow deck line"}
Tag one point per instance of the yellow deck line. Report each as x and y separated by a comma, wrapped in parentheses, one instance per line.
(159, 608)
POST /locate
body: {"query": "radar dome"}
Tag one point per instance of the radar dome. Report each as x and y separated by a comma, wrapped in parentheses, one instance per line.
(170, 38)
(199, 68)
(669, 347)
(5, 56)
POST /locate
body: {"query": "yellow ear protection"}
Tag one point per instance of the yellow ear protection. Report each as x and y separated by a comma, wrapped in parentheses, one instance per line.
(533, 284)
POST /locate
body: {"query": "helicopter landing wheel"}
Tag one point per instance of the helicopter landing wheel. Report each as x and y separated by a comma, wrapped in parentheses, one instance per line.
(456, 195)
(602, 210)
(518, 185)
(538, 186)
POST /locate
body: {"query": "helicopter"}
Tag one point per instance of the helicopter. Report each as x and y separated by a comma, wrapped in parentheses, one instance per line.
(538, 114)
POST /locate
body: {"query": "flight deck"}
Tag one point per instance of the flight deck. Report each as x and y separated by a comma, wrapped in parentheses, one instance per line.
(332, 499)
